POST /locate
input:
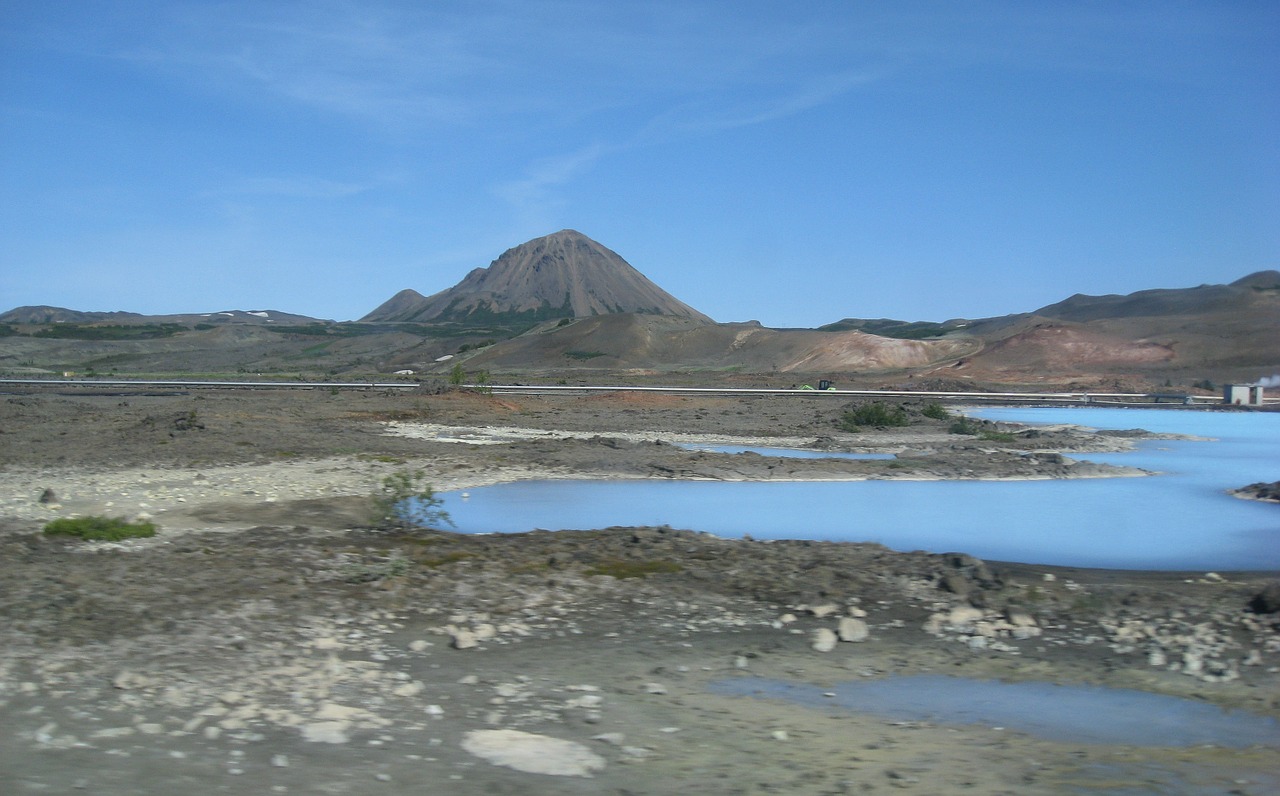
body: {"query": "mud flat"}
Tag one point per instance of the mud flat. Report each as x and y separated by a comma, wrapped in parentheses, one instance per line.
(268, 641)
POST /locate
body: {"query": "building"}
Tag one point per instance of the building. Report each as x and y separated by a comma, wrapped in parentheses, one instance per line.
(1242, 394)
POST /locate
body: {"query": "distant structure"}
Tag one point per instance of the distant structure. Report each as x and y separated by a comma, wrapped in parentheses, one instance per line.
(1242, 394)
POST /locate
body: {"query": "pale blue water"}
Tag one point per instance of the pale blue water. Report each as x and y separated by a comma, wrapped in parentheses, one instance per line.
(1180, 520)
(1070, 713)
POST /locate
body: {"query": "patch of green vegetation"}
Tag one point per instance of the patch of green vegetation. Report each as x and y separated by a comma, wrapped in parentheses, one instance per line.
(106, 529)
(875, 414)
(621, 568)
(317, 350)
(965, 425)
(393, 566)
(935, 412)
(405, 500)
(968, 426)
(997, 436)
(7, 331)
(142, 331)
(582, 356)
(485, 343)
(457, 375)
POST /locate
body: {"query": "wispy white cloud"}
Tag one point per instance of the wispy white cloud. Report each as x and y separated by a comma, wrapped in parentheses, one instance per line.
(713, 114)
(295, 187)
(532, 196)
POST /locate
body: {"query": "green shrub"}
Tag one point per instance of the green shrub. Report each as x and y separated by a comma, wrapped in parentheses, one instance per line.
(936, 412)
(997, 436)
(105, 529)
(876, 414)
(964, 426)
(404, 500)
(457, 375)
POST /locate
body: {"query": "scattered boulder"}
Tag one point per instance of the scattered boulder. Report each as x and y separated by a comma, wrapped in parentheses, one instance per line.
(532, 753)
(1266, 601)
(851, 629)
(824, 639)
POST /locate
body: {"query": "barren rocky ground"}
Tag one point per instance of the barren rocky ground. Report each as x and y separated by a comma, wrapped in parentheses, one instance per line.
(271, 638)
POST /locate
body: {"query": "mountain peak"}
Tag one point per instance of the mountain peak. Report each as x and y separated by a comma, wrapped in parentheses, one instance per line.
(561, 275)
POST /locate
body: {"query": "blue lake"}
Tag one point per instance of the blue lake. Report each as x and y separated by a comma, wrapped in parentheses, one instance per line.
(1182, 519)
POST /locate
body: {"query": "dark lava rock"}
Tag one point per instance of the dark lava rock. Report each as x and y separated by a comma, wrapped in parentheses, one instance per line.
(1266, 601)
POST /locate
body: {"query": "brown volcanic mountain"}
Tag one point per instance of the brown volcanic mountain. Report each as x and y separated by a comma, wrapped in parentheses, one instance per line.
(1227, 331)
(564, 275)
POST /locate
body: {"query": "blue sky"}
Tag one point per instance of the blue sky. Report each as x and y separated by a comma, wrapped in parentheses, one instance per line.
(794, 163)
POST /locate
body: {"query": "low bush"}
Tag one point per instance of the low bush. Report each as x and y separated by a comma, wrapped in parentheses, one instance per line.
(100, 529)
(964, 426)
(877, 415)
(404, 500)
(935, 412)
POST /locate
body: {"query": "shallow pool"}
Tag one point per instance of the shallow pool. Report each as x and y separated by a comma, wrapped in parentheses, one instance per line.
(1077, 714)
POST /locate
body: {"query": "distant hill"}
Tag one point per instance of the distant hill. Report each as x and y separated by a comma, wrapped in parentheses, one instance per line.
(564, 303)
(564, 275)
(1200, 300)
(633, 341)
(44, 315)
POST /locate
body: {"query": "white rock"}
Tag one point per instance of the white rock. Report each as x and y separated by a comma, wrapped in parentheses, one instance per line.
(963, 615)
(408, 689)
(852, 629)
(280, 761)
(418, 645)
(326, 732)
(533, 754)
(826, 609)
(655, 688)
(464, 640)
(824, 639)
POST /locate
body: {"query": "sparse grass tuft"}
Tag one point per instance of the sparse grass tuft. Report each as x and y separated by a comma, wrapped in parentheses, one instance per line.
(102, 529)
